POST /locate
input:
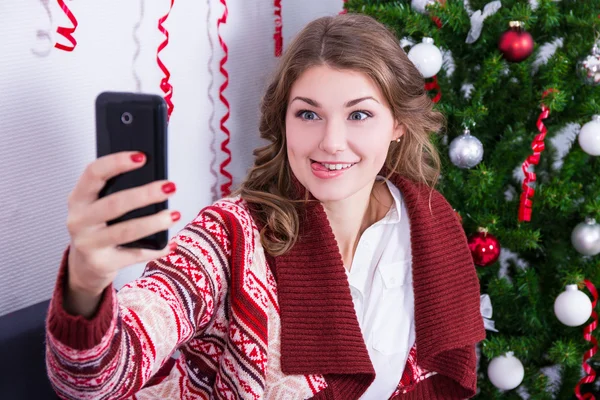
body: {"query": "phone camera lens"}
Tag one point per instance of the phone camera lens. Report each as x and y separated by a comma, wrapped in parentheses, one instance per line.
(126, 118)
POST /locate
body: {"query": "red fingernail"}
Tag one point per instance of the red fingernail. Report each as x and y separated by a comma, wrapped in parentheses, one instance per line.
(138, 157)
(173, 246)
(168, 187)
(175, 216)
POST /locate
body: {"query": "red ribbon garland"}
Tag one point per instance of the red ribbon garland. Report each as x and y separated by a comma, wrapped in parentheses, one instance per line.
(278, 36)
(67, 32)
(225, 187)
(538, 146)
(165, 86)
(434, 85)
(587, 335)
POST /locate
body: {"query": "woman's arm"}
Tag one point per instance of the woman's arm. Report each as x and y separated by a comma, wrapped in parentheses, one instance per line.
(133, 332)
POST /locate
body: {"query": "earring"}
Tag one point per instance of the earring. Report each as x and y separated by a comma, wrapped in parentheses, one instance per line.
(398, 140)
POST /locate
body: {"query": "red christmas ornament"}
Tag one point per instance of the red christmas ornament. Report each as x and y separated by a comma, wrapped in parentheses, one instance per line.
(485, 248)
(516, 44)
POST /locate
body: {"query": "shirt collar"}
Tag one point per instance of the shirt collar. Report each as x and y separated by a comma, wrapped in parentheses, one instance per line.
(394, 215)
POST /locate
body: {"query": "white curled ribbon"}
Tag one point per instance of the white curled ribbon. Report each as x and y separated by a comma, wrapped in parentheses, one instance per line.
(138, 47)
(45, 34)
(485, 306)
(478, 17)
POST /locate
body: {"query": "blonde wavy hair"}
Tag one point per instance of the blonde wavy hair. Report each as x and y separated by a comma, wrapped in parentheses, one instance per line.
(345, 42)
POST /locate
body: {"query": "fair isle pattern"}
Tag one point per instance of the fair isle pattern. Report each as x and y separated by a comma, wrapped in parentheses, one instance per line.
(64, 364)
(412, 374)
(154, 315)
(255, 285)
(170, 388)
(224, 320)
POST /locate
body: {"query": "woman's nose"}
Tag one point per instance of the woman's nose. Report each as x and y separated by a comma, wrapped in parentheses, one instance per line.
(334, 137)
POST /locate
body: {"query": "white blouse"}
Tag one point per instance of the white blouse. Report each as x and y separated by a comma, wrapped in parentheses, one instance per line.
(381, 286)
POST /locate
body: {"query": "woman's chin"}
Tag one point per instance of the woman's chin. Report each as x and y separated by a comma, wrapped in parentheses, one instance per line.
(332, 194)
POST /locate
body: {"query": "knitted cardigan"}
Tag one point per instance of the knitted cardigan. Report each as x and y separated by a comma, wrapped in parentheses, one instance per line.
(248, 326)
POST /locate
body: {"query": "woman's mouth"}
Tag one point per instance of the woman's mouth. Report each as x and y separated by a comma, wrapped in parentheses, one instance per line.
(327, 170)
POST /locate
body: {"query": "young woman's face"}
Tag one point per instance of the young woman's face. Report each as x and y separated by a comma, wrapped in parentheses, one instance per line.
(338, 130)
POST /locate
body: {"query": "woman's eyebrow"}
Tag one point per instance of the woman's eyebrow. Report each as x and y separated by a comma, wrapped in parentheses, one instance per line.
(350, 103)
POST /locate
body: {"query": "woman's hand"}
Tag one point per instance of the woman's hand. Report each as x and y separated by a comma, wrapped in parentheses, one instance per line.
(95, 257)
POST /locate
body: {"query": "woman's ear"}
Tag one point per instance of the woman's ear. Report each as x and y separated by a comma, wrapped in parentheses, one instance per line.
(399, 130)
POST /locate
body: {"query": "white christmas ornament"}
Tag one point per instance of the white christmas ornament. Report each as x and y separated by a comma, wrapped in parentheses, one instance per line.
(426, 57)
(506, 372)
(586, 237)
(572, 307)
(466, 151)
(420, 5)
(589, 136)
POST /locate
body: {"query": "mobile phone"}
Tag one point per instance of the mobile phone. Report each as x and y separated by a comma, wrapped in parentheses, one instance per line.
(134, 122)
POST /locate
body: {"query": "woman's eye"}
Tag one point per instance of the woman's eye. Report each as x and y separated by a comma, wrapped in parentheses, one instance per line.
(308, 115)
(359, 116)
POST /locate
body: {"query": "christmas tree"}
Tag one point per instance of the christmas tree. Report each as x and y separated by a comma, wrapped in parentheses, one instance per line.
(523, 77)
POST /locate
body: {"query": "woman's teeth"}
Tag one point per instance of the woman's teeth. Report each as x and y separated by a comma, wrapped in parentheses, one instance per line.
(334, 167)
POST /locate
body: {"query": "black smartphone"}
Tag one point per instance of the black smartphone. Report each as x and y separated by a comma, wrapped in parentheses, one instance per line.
(134, 122)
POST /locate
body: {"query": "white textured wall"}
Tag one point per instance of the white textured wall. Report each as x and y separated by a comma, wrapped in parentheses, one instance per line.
(47, 110)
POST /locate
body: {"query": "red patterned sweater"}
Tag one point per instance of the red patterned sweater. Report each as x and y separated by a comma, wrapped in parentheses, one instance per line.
(249, 326)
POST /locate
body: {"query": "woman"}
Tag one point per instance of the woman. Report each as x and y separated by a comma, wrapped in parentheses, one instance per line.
(335, 272)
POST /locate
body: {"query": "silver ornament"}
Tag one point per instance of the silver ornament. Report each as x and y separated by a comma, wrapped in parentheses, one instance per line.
(466, 151)
(589, 67)
(586, 237)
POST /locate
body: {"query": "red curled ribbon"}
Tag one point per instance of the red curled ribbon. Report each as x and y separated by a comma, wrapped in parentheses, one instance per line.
(165, 86)
(278, 36)
(587, 335)
(526, 202)
(67, 32)
(225, 187)
(434, 85)
(436, 20)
